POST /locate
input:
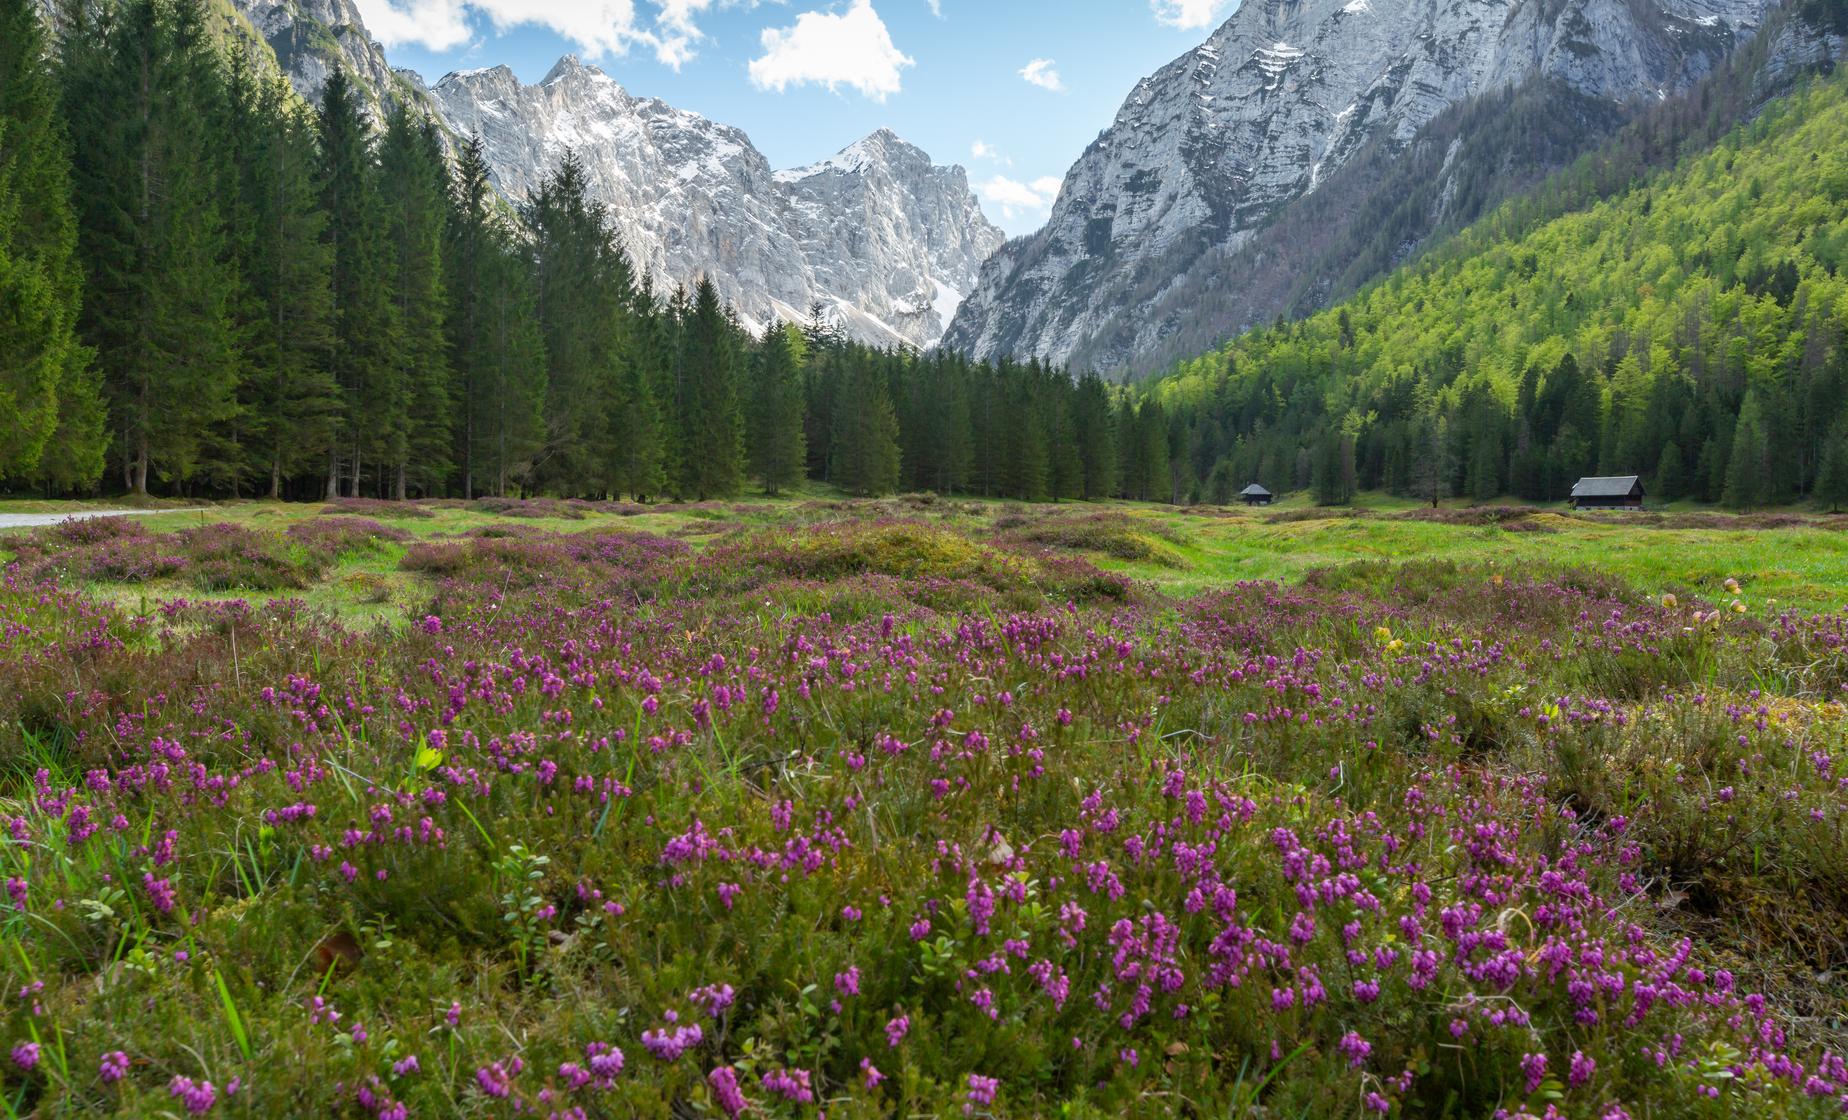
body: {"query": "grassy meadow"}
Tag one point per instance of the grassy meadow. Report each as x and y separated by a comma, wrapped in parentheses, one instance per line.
(923, 807)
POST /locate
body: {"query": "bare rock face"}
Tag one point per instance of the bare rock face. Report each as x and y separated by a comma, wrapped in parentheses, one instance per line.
(311, 37)
(1202, 153)
(885, 240)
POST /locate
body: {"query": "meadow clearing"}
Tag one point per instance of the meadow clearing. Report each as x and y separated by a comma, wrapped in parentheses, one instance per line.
(923, 807)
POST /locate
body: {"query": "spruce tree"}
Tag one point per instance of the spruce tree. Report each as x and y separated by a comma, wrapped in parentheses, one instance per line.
(365, 362)
(288, 397)
(1670, 476)
(711, 439)
(581, 281)
(1094, 428)
(865, 441)
(51, 414)
(159, 278)
(416, 449)
(773, 420)
(1831, 489)
(1155, 483)
(496, 352)
(1748, 468)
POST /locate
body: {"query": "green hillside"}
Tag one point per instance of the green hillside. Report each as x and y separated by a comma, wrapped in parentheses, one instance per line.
(1689, 330)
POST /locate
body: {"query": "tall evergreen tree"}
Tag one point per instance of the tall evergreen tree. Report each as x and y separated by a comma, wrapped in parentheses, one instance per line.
(711, 439)
(865, 442)
(159, 281)
(51, 415)
(582, 282)
(287, 395)
(416, 449)
(1670, 475)
(496, 352)
(1831, 488)
(1748, 469)
(1094, 430)
(773, 421)
(365, 363)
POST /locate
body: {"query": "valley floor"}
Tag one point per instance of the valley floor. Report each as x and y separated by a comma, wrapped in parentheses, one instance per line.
(923, 807)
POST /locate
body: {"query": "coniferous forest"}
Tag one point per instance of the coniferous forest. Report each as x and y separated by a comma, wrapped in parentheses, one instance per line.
(218, 290)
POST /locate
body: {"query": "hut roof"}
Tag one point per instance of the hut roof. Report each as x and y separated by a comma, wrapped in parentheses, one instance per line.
(1613, 486)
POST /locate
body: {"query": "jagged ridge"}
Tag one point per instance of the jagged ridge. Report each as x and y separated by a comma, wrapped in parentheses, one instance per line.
(883, 238)
(1208, 151)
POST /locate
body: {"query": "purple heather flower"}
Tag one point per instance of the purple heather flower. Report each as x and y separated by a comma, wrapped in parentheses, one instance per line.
(896, 1029)
(790, 1084)
(113, 1067)
(725, 1091)
(198, 1097)
(26, 1055)
(1581, 1070)
(981, 1092)
(1534, 1067)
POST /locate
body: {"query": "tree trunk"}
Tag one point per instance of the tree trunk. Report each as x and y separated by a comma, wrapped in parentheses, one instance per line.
(397, 486)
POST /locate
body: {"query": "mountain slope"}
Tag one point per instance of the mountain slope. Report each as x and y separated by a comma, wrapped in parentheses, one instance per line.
(1393, 202)
(884, 239)
(1208, 151)
(1692, 320)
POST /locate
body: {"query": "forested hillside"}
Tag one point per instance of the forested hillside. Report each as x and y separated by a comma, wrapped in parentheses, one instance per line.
(1689, 329)
(1393, 201)
(216, 290)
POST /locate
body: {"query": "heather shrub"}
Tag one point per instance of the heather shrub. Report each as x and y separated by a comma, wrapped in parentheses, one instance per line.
(330, 540)
(531, 507)
(228, 557)
(1115, 535)
(377, 507)
(887, 816)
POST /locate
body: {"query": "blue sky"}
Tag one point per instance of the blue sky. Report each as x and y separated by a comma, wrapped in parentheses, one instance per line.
(1011, 89)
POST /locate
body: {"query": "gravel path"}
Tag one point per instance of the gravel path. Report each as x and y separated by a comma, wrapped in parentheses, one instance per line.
(29, 520)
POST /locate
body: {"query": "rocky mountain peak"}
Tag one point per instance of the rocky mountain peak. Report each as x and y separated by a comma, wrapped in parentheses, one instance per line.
(1203, 152)
(879, 236)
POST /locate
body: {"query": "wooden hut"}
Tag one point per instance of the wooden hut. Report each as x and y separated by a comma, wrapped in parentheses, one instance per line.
(1616, 492)
(1255, 495)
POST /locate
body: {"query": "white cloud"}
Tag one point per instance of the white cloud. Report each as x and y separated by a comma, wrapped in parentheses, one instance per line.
(1044, 73)
(981, 150)
(1014, 198)
(825, 48)
(1191, 15)
(599, 28)
(936, 7)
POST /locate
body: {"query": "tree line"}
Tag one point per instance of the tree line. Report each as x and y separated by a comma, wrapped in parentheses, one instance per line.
(217, 289)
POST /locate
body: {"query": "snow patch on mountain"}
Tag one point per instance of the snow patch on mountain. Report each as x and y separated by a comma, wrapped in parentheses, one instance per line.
(872, 233)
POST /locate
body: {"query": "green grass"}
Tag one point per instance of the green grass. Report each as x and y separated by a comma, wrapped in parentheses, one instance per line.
(1803, 566)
